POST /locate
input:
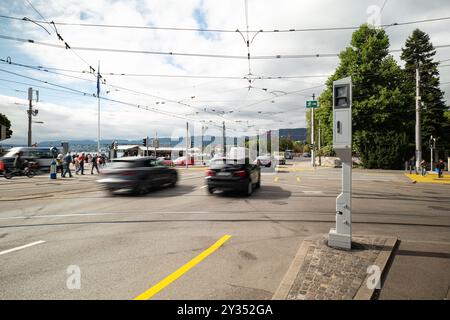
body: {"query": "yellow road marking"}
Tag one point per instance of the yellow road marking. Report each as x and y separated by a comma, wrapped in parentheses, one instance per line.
(298, 179)
(174, 276)
(429, 178)
(276, 179)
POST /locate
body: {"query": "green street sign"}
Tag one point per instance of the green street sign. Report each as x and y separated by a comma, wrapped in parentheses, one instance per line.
(311, 104)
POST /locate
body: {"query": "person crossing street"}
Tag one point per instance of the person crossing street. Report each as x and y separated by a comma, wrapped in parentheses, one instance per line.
(94, 164)
(67, 160)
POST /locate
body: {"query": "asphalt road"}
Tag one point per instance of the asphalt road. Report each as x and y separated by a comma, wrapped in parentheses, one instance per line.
(123, 245)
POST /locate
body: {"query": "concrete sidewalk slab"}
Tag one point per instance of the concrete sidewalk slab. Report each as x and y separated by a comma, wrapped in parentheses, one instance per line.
(319, 272)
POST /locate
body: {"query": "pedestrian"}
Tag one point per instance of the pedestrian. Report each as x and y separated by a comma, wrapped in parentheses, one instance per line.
(81, 164)
(441, 167)
(423, 166)
(94, 164)
(411, 165)
(101, 161)
(59, 164)
(67, 161)
(76, 163)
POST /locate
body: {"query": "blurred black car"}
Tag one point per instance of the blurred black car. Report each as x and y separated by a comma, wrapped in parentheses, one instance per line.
(137, 175)
(233, 175)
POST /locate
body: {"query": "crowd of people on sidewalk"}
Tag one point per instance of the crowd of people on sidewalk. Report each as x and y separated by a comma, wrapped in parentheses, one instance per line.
(78, 161)
(440, 166)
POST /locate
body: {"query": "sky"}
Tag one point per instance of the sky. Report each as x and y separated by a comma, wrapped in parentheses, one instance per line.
(171, 101)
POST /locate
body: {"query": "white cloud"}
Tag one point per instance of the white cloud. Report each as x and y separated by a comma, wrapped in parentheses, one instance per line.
(76, 116)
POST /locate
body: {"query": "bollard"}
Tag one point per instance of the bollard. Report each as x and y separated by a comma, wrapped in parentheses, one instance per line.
(53, 169)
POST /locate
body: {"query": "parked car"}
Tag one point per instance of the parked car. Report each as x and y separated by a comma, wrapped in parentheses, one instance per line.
(289, 154)
(279, 158)
(181, 161)
(233, 175)
(43, 157)
(265, 160)
(137, 175)
(307, 155)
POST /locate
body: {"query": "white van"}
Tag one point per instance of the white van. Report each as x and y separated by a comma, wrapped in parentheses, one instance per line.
(43, 156)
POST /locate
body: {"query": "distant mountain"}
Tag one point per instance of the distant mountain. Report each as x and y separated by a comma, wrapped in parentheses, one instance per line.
(298, 134)
(87, 145)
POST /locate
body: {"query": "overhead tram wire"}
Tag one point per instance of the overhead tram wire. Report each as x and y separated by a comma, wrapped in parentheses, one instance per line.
(79, 92)
(104, 98)
(257, 77)
(185, 54)
(276, 30)
(199, 109)
(53, 25)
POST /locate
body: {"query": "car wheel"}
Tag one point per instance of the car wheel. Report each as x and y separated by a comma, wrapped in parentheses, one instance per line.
(249, 188)
(7, 175)
(258, 184)
(210, 190)
(140, 189)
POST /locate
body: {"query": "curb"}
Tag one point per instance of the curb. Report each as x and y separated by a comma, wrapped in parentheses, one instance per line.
(363, 293)
(288, 280)
(386, 255)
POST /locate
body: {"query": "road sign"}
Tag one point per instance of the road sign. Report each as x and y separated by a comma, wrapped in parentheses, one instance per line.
(311, 104)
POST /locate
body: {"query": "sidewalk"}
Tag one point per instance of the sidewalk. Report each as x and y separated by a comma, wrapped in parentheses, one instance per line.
(431, 177)
(320, 272)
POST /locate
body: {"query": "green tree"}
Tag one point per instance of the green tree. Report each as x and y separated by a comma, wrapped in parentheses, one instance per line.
(286, 144)
(381, 118)
(298, 147)
(419, 53)
(5, 121)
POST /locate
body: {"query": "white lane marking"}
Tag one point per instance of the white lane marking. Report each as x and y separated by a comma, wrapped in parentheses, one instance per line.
(96, 214)
(313, 192)
(21, 247)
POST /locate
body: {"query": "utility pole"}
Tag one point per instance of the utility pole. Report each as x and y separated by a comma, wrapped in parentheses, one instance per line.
(313, 153)
(418, 120)
(31, 113)
(224, 139)
(203, 141)
(187, 144)
(155, 142)
(98, 107)
(432, 147)
(320, 146)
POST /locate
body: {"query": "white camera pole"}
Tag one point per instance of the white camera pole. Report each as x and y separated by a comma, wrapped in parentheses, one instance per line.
(341, 236)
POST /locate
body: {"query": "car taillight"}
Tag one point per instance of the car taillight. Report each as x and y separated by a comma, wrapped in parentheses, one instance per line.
(210, 173)
(241, 173)
(2, 165)
(127, 173)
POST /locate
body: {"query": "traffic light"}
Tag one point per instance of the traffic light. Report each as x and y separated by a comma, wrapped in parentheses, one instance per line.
(144, 142)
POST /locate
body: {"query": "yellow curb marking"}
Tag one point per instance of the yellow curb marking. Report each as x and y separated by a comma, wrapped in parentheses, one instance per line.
(429, 178)
(174, 276)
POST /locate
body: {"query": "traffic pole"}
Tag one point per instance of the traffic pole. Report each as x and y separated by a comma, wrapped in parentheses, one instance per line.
(187, 144)
(224, 139)
(418, 120)
(30, 112)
